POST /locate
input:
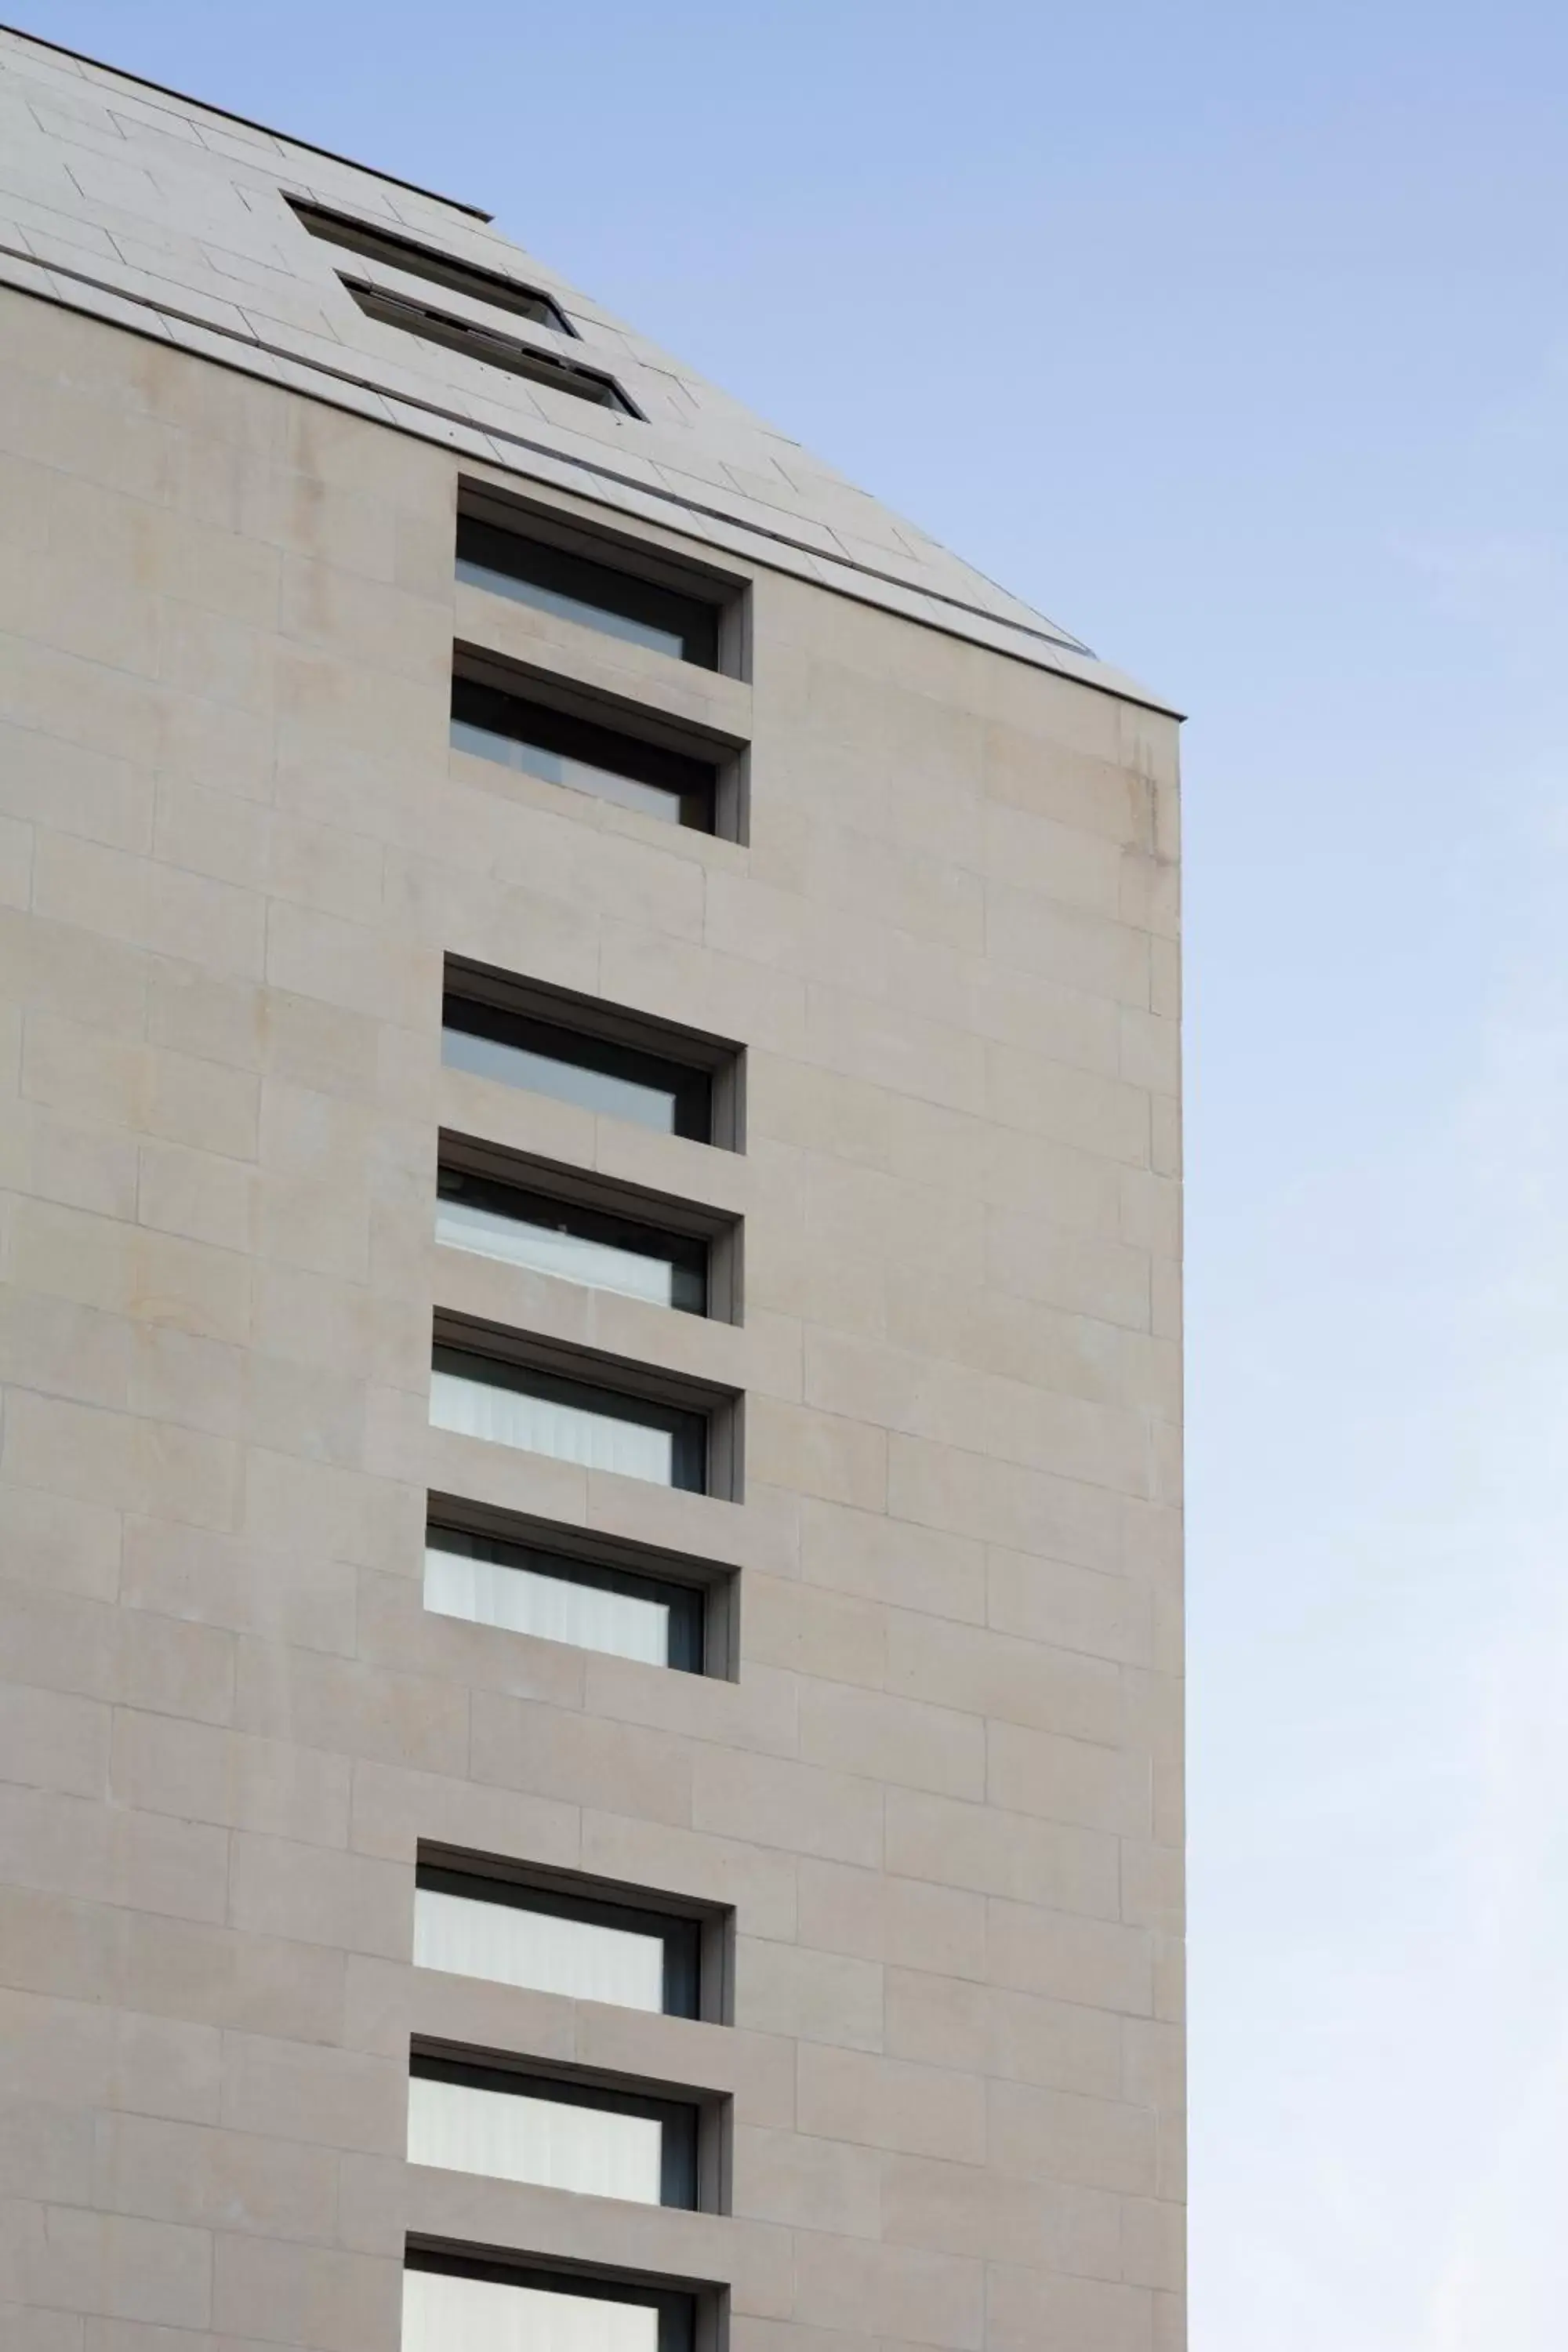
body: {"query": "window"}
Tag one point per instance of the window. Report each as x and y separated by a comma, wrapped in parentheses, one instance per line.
(453, 2305)
(597, 1072)
(558, 1237)
(642, 612)
(465, 2118)
(603, 1057)
(379, 244)
(570, 1420)
(586, 1946)
(559, 1599)
(487, 344)
(583, 754)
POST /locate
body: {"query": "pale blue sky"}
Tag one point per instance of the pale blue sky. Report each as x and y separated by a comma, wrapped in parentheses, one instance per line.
(1233, 336)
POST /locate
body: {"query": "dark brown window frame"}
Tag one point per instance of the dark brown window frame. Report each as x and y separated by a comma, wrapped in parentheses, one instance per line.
(718, 1581)
(594, 1553)
(605, 763)
(664, 1214)
(694, 578)
(683, 1256)
(681, 1935)
(692, 2122)
(720, 1061)
(718, 1410)
(693, 2313)
(607, 598)
(675, 754)
(685, 1603)
(618, 1901)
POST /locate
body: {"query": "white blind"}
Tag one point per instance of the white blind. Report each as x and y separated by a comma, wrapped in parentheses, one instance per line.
(512, 2137)
(443, 2313)
(462, 1224)
(527, 1600)
(509, 1945)
(539, 1426)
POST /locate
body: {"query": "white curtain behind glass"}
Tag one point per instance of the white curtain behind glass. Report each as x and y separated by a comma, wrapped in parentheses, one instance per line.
(510, 1946)
(568, 1431)
(463, 1225)
(512, 2137)
(492, 1592)
(466, 2315)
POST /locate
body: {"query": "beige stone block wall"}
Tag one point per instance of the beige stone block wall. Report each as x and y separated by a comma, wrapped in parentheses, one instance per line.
(943, 1797)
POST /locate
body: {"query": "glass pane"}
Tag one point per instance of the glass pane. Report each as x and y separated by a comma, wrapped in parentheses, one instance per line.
(440, 268)
(646, 1103)
(550, 1249)
(542, 1424)
(572, 608)
(509, 1945)
(447, 2313)
(484, 344)
(554, 1608)
(584, 754)
(512, 2137)
(558, 768)
(573, 585)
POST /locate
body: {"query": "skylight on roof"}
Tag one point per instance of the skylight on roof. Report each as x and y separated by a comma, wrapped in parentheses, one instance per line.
(405, 253)
(495, 349)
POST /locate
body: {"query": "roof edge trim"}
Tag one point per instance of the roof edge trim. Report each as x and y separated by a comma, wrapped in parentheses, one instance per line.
(54, 282)
(228, 114)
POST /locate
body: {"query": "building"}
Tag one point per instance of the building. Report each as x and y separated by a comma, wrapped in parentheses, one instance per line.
(589, 1539)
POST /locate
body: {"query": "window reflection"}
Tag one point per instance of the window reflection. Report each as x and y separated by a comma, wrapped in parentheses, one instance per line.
(559, 768)
(564, 608)
(573, 587)
(615, 1081)
(583, 754)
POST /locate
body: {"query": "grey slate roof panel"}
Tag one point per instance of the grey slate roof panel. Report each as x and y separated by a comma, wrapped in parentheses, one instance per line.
(171, 217)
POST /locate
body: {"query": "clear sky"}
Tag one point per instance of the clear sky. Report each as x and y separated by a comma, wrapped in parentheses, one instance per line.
(1233, 336)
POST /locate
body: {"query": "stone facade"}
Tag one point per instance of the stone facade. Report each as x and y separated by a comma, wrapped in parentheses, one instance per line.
(938, 1802)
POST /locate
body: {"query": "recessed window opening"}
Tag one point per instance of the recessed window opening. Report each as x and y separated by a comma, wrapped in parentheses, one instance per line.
(592, 2142)
(596, 1073)
(569, 1419)
(486, 344)
(574, 588)
(378, 244)
(454, 2306)
(529, 1589)
(583, 756)
(546, 1941)
(553, 1236)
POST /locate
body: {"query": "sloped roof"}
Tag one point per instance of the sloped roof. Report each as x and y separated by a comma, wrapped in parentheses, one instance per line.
(170, 217)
